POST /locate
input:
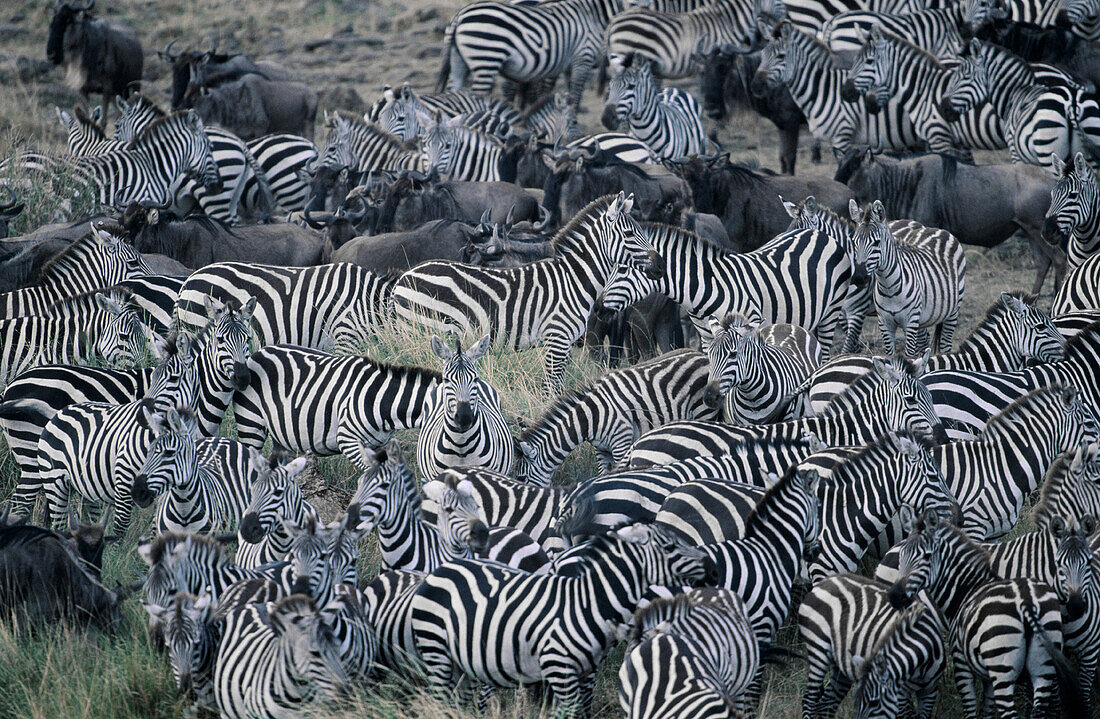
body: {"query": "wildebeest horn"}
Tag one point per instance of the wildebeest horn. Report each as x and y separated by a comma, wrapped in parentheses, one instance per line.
(152, 205)
(88, 7)
(11, 202)
(320, 222)
(544, 220)
(166, 53)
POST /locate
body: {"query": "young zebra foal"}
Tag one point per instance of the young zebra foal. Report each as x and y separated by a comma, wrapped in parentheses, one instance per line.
(463, 425)
(916, 288)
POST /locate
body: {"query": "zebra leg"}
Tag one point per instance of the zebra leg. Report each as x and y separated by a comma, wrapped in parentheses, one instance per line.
(579, 70)
(834, 694)
(964, 683)
(557, 353)
(815, 686)
(889, 328)
(947, 332)
(1002, 695)
(483, 78)
(926, 699)
(57, 500)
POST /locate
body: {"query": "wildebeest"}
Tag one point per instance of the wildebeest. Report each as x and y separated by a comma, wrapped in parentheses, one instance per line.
(10, 208)
(211, 69)
(197, 241)
(726, 77)
(42, 578)
(982, 205)
(99, 56)
(252, 106)
(1054, 45)
(396, 252)
(747, 200)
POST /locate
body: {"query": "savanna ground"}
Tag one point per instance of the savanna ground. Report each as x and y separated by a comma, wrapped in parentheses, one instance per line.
(346, 49)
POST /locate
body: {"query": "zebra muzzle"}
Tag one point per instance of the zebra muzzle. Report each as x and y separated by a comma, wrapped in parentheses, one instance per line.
(848, 91)
(464, 416)
(1051, 233)
(610, 116)
(655, 268)
(1075, 606)
(948, 112)
(241, 376)
(712, 396)
(251, 530)
(899, 595)
(140, 493)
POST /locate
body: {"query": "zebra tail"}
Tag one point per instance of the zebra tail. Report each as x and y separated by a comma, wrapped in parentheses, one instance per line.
(1069, 684)
(777, 655)
(448, 46)
(267, 197)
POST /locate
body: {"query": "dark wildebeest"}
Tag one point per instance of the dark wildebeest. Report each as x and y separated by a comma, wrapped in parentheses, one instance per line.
(747, 200)
(211, 69)
(1049, 44)
(9, 210)
(408, 203)
(197, 241)
(253, 106)
(396, 252)
(99, 56)
(727, 76)
(580, 176)
(42, 578)
(982, 205)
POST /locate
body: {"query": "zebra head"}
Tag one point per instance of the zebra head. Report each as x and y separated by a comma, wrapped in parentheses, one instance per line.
(979, 13)
(918, 477)
(172, 457)
(460, 387)
(780, 59)
(274, 495)
(663, 557)
(310, 557)
(441, 141)
(624, 241)
(872, 72)
(308, 649)
(199, 156)
(133, 116)
(882, 682)
(626, 286)
(1076, 11)
(116, 259)
(402, 117)
(968, 85)
(189, 635)
(1029, 329)
(229, 345)
(1074, 201)
(1071, 487)
(458, 521)
(809, 215)
(721, 355)
(337, 152)
(345, 532)
(82, 132)
(175, 380)
(632, 93)
(383, 468)
(904, 400)
(869, 236)
(1073, 559)
(920, 555)
(121, 341)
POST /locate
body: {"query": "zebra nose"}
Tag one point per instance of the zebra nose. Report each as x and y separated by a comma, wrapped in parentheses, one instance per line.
(301, 586)
(140, 493)
(948, 111)
(1075, 606)
(939, 434)
(848, 91)
(898, 595)
(251, 530)
(655, 269)
(464, 416)
(1052, 233)
(610, 117)
(1062, 19)
(241, 376)
(479, 537)
(712, 395)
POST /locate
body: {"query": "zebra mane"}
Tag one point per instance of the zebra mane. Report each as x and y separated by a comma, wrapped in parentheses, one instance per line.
(77, 248)
(996, 311)
(150, 132)
(294, 604)
(538, 106)
(759, 516)
(359, 121)
(999, 423)
(854, 394)
(147, 104)
(1058, 483)
(1084, 342)
(812, 44)
(904, 621)
(673, 230)
(662, 609)
(919, 52)
(202, 545)
(567, 236)
(81, 116)
(84, 300)
(853, 465)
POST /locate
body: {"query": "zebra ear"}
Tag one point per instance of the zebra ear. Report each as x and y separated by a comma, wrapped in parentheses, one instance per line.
(859, 665)
(921, 365)
(785, 30)
(205, 604)
(790, 207)
(1057, 167)
(1087, 525)
(906, 518)
(174, 422)
(212, 309)
(634, 533)
(1082, 168)
(465, 487)
(295, 467)
(434, 490)
(63, 117)
(247, 310)
(528, 451)
(441, 350)
(876, 33)
(770, 480)
(145, 550)
(478, 350)
(194, 121)
(1057, 526)
(1069, 396)
(1013, 303)
(107, 304)
(906, 445)
(878, 212)
(97, 115)
(853, 210)
(156, 612)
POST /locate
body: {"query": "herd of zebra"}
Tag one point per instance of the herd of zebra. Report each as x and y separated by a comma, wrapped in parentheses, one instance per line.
(743, 481)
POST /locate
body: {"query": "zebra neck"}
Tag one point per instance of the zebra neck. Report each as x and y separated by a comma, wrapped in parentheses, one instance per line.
(403, 537)
(1085, 240)
(986, 349)
(562, 430)
(289, 683)
(643, 119)
(964, 569)
(889, 278)
(1010, 79)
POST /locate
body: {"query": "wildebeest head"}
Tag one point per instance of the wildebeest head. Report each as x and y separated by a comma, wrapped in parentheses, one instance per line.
(871, 74)
(1073, 201)
(67, 29)
(187, 68)
(968, 85)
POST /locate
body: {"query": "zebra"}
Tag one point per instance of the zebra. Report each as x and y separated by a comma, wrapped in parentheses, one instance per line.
(552, 120)
(561, 636)
(861, 491)
(361, 146)
(194, 496)
(282, 159)
(350, 404)
(301, 306)
(692, 654)
(1013, 333)
(463, 425)
(1073, 219)
(893, 400)
(762, 383)
(191, 637)
(84, 133)
(852, 633)
(721, 346)
(1071, 487)
(958, 578)
(938, 31)
(145, 168)
(276, 658)
(614, 411)
(524, 42)
(93, 326)
(97, 260)
(461, 153)
(806, 66)
(274, 498)
(185, 562)
(388, 608)
(810, 16)
(669, 122)
(97, 448)
(545, 302)
(155, 298)
(1079, 290)
(404, 115)
(916, 288)
(671, 41)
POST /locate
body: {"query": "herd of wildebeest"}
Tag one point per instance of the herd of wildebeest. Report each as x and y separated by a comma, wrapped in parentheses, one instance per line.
(757, 461)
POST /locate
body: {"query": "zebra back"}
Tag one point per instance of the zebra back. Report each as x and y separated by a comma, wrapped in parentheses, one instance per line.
(1071, 487)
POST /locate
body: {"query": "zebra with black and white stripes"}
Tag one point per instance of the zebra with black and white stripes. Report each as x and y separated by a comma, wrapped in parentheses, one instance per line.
(277, 658)
(85, 135)
(533, 627)
(614, 411)
(692, 654)
(1073, 219)
(155, 298)
(96, 449)
(185, 562)
(763, 380)
(918, 287)
(403, 114)
(806, 66)
(1071, 488)
(95, 326)
(462, 424)
(310, 401)
(524, 42)
(191, 638)
(361, 146)
(1081, 289)
(546, 302)
(305, 306)
(97, 260)
(852, 634)
(458, 152)
(274, 498)
(668, 121)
